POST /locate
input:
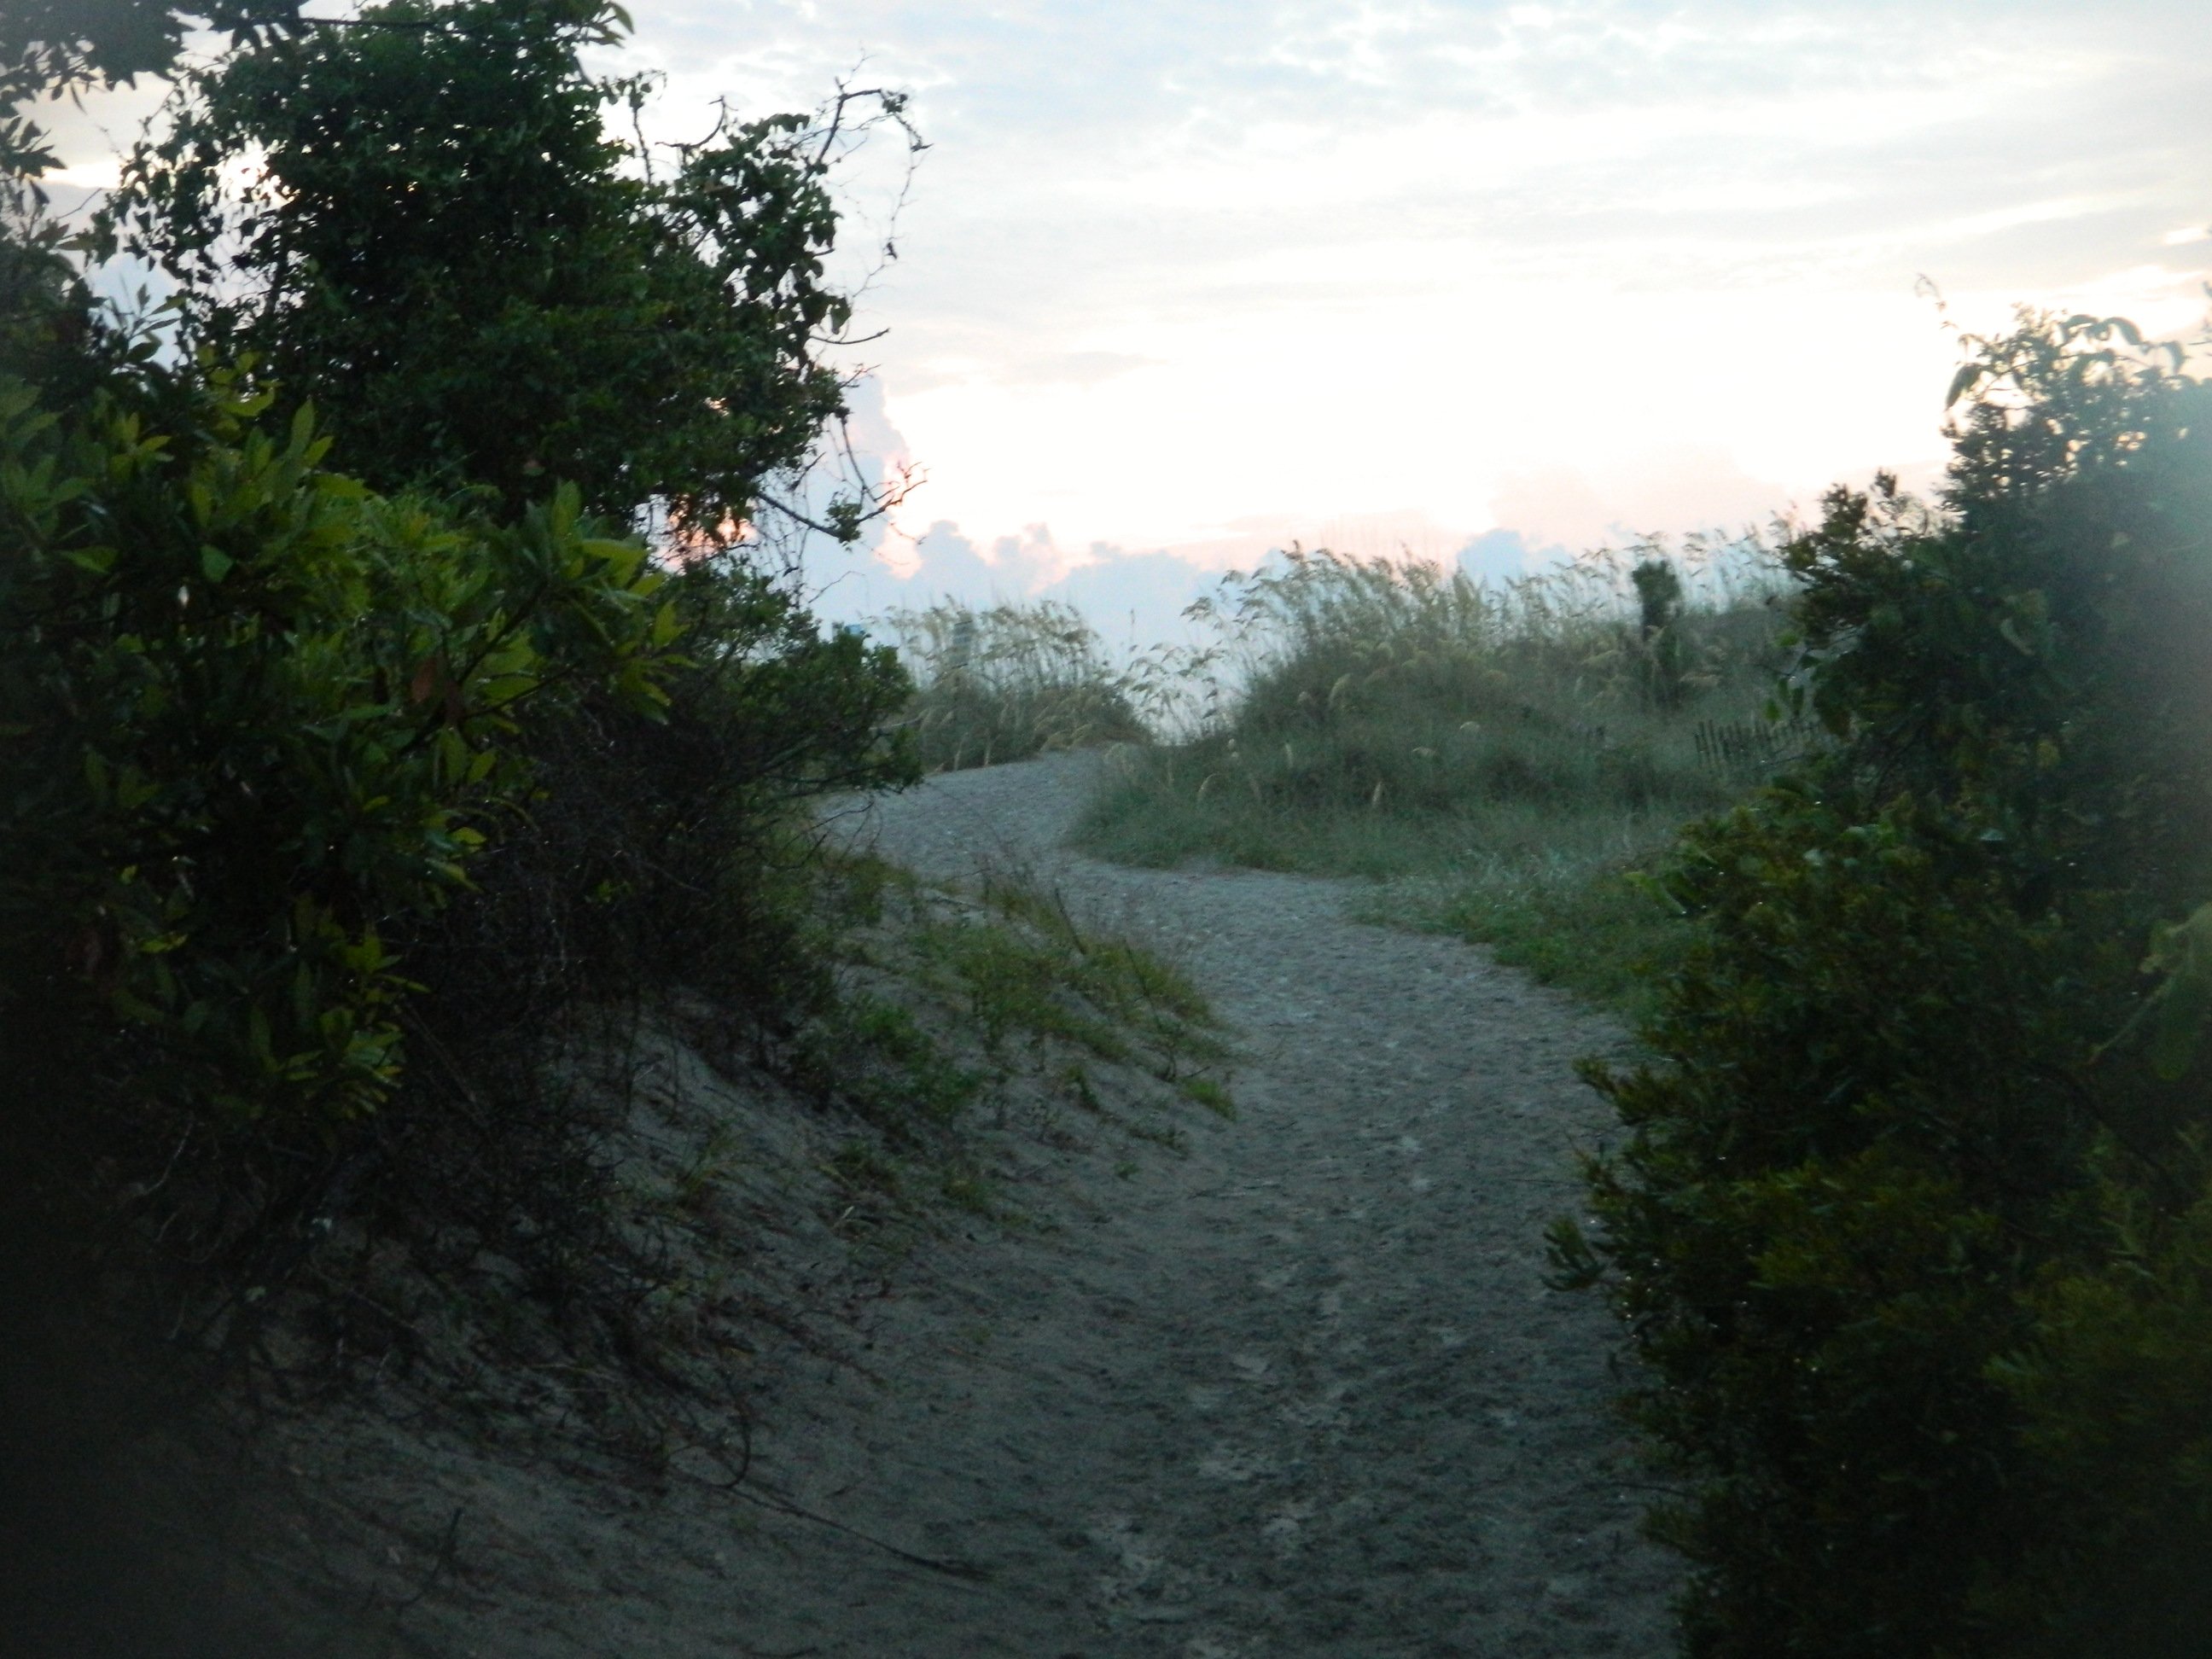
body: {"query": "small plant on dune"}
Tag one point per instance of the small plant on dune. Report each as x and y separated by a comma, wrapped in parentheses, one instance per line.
(1030, 970)
(1035, 986)
(1009, 682)
(965, 1014)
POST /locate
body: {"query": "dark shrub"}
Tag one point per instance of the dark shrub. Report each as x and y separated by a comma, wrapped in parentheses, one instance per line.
(1910, 1246)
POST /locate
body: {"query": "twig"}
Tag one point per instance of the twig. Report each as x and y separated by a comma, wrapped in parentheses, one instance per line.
(962, 1570)
(438, 1567)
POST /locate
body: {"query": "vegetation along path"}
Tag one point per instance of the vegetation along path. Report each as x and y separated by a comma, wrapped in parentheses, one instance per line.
(1303, 1392)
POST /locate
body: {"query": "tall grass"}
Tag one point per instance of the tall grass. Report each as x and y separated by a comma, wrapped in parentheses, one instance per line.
(1503, 754)
(1008, 682)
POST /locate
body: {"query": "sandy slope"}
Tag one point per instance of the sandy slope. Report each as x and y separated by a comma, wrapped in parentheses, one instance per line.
(1300, 1392)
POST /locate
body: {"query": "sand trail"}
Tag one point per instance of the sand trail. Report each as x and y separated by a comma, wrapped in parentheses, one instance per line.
(1301, 1391)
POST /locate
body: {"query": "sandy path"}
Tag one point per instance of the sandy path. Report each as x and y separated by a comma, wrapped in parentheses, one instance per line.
(1302, 1393)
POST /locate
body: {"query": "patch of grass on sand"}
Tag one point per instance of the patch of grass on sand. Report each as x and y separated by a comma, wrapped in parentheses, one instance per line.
(1591, 925)
(999, 999)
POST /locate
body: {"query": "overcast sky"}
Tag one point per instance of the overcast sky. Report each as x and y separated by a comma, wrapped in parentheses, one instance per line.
(1206, 277)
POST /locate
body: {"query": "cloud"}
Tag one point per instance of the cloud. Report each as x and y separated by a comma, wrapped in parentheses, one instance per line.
(1136, 600)
(1076, 367)
(941, 562)
(1505, 555)
(1668, 490)
(947, 565)
(1185, 282)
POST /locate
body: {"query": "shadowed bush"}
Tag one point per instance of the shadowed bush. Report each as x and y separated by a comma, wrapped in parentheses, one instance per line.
(363, 842)
(338, 823)
(1910, 1225)
(347, 824)
(256, 716)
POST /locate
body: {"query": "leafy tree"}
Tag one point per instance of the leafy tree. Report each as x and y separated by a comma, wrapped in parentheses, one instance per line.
(445, 248)
(47, 333)
(1910, 1225)
(489, 297)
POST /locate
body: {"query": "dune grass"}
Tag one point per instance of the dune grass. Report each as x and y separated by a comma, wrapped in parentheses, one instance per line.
(1007, 681)
(1503, 759)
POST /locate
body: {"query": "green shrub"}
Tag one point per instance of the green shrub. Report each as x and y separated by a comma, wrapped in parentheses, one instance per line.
(1904, 1237)
(667, 848)
(344, 833)
(1008, 682)
(255, 714)
(2110, 1396)
(1582, 917)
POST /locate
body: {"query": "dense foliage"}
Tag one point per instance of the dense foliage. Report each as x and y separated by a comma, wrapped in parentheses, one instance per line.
(445, 246)
(1911, 1227)
(355, 755)
(52, 47)
(251, 712)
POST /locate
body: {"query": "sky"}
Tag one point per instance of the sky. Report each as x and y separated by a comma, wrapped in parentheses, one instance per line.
(1179, 283)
